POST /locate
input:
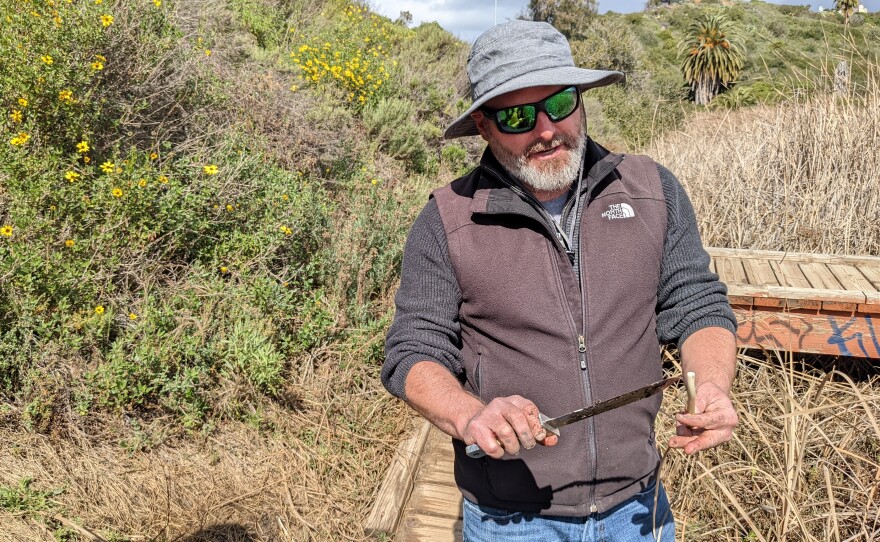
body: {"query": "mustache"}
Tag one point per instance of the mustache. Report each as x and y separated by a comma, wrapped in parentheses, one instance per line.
(559, 139)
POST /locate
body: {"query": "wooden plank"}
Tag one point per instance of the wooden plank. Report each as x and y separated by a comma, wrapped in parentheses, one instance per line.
(782, 292)
(436, 500)
(838, 334)
(760, 272)
(397, 484)
(851, 278)
(424, 528)
(872, 274)
(820, 276)
(712, 265)
(839, 306)
(437, 469)
(798, 257)
(873, 308)
(789, 274)
(731, 271)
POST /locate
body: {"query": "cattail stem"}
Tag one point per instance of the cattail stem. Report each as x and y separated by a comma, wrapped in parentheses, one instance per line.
(691, 385)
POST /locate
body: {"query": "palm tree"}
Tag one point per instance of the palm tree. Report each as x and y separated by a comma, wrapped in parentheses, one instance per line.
(713, 56)
(846, 7)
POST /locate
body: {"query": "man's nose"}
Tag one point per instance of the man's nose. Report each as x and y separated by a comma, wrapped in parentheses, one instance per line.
(544, 127)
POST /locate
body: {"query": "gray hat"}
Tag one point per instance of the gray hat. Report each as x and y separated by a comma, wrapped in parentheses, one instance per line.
(521, 54)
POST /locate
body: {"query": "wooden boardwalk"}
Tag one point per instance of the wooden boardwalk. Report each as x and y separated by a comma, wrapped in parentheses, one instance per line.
(418, 500)
(810, 303)
(813, 303)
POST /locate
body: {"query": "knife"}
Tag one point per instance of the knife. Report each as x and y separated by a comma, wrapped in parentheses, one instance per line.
(553, 424)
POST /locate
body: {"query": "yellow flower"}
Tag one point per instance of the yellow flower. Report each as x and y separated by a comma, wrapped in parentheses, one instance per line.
(106, 20)
(66, 96)
(82, 146)
(207, 52)
(142, 182)
(47, 60)
(22, 102)
(69, 243)
(157, 3)
(97, 65)
(99, 309)
(224, 270)
(6, 231)
(153, 156)
(15, 116)
(132, 316)
(230, 208)
(101, 58)
(375, 182)
(285, 197)
(20, 139)
(210, 169)
(108, 166)
(87, 159)
(117, 192)
(72, 176)
(285, 230)
(98, 2)
(163, 179)
(293, 88)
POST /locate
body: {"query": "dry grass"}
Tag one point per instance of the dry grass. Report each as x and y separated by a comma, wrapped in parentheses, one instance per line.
(804, 463)
(308, 474)
(796, 176)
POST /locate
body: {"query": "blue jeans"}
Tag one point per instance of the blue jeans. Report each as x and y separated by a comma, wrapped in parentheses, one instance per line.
(630, 521)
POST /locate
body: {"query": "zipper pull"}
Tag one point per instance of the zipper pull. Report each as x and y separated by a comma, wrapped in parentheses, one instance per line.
(582, 348)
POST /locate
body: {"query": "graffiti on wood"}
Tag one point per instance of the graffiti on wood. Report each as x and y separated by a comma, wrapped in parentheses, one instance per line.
(840, 334)
(851, 338)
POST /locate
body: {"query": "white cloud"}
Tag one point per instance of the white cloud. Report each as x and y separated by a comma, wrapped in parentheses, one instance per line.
(467, 19)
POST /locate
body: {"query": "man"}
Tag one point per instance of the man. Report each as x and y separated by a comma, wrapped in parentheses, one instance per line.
(544, 280)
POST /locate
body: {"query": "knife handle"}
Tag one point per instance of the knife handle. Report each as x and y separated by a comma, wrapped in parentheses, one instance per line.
(476, 452)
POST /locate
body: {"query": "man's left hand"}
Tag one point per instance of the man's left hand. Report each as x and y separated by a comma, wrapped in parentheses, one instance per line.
(712, 424)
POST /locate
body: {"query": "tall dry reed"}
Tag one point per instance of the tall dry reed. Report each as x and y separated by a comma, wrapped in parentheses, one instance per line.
(803, 175)
(803, 465)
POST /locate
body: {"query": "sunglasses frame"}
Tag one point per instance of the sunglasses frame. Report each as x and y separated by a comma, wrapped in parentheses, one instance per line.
(539, 107)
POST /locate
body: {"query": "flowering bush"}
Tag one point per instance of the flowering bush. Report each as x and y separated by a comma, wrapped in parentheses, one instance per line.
(109, 238)
(353, 55)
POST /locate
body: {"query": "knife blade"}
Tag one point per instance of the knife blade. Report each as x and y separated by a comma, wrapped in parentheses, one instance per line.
(553, 424)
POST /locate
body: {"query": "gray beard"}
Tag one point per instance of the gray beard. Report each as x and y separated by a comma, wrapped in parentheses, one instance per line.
(551, 177)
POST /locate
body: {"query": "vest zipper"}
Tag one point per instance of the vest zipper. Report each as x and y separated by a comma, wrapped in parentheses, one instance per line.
(582, 348)
(572, 248)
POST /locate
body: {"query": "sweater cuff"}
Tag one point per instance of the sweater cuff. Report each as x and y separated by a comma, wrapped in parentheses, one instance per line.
(708, 321)
(396, 383)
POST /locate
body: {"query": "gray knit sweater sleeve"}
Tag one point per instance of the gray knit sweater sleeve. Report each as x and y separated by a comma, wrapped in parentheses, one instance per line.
(425, 326)
(689, 296)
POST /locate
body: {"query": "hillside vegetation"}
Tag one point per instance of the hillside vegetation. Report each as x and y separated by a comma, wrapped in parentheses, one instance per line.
(202, 214)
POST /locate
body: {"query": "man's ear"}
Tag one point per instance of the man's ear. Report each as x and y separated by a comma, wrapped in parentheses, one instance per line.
(482, 124)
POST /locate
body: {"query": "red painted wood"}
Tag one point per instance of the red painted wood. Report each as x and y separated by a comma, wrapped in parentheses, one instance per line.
(826, 332)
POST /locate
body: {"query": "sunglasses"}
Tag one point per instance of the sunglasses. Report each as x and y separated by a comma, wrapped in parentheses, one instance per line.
(518, 119)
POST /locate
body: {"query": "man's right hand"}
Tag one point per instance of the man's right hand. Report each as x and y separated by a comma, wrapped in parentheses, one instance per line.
(506, 424)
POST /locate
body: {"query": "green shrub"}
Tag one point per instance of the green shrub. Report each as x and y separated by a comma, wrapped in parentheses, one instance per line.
(390, 123)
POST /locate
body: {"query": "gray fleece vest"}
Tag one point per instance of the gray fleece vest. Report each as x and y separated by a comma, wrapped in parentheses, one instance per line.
(530, 326)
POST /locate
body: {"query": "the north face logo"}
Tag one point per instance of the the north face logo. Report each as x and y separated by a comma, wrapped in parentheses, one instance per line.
(619, 210)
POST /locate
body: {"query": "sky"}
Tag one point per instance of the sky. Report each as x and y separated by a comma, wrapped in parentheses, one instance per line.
(467, 19)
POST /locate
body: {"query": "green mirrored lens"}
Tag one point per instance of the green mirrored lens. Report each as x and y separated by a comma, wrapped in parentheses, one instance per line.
(520, 118)
(562, 104)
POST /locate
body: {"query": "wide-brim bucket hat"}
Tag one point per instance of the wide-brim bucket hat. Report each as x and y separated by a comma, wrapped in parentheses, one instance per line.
(517, 55)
